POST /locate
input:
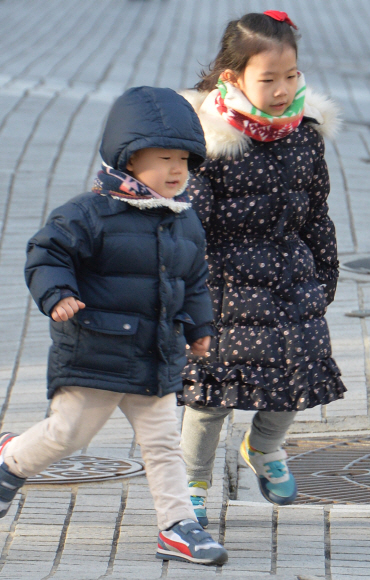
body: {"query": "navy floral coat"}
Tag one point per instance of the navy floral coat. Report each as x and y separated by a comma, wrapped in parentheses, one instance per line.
(273, 266)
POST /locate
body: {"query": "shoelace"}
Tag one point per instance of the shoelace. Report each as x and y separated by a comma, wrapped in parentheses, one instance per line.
(197, 500)
(276, 468)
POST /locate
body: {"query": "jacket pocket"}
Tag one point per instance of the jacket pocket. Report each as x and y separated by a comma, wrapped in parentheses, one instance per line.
(106, 341)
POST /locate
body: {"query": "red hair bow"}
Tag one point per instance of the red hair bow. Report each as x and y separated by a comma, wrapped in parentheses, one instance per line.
(281, 17)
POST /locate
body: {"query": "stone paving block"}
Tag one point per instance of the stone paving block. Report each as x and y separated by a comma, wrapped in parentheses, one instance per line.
(349, 576)
(238, 562)
(148, 570)
(349, 528)
(231, 574)
(251, 525)
(344, 568)
(184, 574)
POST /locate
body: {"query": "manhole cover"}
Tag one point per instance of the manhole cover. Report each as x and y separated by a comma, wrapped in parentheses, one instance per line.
(331, 470)
(358, 313)
(82, 468)
(361, 266)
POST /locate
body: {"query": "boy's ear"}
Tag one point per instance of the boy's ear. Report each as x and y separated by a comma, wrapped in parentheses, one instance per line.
(129, 165)
(131, 161)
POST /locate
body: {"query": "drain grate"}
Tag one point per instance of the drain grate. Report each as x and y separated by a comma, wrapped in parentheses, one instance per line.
(331, 470)
(85, 468)
(361, 266)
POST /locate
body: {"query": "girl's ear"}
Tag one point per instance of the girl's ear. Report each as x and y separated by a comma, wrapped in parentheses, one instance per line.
(230, 77)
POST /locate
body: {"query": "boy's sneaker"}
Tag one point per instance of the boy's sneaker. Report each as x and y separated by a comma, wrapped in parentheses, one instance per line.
(9, 483)
(198, 496)
(188, 541)
(276, 482)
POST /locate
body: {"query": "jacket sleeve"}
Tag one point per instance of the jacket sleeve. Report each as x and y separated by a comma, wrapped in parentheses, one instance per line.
(197, 303)
(319, 231)
(201, 194)
(54, 255)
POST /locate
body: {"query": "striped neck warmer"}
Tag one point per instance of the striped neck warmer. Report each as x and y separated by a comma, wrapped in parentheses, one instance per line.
(123, 186)
(239, 112)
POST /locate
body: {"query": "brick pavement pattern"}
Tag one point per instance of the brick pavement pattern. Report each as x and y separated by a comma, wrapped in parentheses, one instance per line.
(62, 63)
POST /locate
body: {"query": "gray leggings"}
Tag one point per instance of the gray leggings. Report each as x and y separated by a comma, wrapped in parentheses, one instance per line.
(201, 433)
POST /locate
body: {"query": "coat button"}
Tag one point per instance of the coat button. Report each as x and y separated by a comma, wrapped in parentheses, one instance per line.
(163, 268)
(127, 326)
(86, 321)
(164, 310)
(160, 228)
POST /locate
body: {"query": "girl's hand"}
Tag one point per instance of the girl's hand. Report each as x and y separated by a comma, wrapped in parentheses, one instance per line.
(66, 308)
(201, 346)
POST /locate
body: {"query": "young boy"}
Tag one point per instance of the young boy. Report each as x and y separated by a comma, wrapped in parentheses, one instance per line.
(121, 272)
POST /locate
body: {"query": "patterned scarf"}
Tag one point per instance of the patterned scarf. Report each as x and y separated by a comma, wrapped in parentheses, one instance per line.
(239, 112)
(122, 186)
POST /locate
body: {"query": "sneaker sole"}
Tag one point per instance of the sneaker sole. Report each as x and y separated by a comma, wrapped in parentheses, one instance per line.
(4, 512)
(165, 555)
(275, 499)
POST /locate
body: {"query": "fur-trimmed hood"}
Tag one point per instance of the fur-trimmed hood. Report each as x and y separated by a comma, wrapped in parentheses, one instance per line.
(223, 139)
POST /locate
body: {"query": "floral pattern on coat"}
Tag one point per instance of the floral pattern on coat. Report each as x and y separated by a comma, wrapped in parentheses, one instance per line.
(273, 270)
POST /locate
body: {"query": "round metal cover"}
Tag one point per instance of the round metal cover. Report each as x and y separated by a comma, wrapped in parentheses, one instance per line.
(331, 470)
(358, 313)
(361, 266)
(85, 468)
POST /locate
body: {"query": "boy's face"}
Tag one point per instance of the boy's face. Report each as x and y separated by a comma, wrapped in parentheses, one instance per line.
(164, 170)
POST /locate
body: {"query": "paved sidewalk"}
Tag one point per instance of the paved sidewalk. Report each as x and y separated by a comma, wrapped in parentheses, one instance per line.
(62, 63)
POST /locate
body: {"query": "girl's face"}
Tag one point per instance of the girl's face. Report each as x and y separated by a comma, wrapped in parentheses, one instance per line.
(270, 79)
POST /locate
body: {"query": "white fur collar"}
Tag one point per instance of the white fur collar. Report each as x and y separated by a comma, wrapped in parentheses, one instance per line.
(175, 206)
(223, 140)
(171, 203)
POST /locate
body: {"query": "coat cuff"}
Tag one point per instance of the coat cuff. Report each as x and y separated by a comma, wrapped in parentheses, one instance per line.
(199, 332)
(329, 281)
(57, 295)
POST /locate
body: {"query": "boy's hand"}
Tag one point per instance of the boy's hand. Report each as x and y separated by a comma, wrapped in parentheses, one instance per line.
(201, 346)
(66, 308)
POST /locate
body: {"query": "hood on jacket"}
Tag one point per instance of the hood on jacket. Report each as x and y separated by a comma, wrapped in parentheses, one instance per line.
(223, 139)
(146, 117)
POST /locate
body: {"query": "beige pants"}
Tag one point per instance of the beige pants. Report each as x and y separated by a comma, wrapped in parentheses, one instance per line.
(77, 415)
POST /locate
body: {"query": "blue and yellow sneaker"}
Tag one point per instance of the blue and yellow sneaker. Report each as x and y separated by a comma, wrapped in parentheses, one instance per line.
(276, 482)
(187, 541)
(198, 496)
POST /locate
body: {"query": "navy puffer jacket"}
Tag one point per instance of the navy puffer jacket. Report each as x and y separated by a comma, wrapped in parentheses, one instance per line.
(140, 272)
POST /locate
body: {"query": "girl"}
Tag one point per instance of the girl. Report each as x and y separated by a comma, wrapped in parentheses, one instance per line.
(261, 195)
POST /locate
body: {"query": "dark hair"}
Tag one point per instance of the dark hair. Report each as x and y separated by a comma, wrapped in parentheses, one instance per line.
(242, 39)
